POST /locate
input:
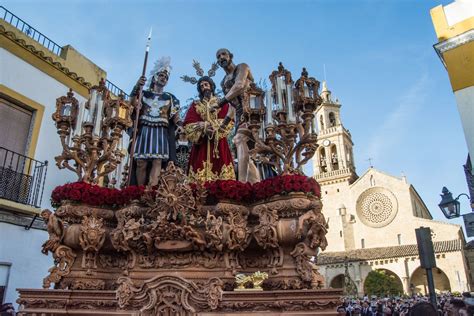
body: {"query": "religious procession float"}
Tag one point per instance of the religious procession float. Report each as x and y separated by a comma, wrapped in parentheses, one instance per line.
(222, 231)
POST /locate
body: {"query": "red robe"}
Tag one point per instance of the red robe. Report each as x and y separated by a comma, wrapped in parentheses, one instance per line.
(210, 157)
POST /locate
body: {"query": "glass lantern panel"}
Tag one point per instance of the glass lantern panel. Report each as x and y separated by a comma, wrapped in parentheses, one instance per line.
(306, 90)
(253, 101)
(66, 109)
(123, 112)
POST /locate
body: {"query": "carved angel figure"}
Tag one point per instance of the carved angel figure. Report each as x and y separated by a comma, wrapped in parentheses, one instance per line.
(55, 228)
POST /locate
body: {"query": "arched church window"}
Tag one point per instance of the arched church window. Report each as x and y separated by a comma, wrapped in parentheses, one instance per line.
(322, 160)
(332, 119)
(372, 180)
(334, 158)
(321, 122)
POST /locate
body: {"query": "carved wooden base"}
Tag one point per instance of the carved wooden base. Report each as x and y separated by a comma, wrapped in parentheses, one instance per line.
(173, 254)
(89, 302)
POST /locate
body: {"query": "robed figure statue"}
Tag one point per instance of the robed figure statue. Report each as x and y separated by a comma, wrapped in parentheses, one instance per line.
(210, 157)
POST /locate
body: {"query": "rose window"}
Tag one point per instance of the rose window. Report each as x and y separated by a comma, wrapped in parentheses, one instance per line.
(377, 207)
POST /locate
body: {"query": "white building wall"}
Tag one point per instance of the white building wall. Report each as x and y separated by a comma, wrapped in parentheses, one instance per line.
(23, 78)
(21, 248)
(18, 246)
(465, 103)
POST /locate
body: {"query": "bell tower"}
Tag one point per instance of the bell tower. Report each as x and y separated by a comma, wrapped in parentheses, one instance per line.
(334, 159)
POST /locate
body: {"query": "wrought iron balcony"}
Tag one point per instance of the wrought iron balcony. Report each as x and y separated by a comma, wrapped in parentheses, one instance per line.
(21, 178)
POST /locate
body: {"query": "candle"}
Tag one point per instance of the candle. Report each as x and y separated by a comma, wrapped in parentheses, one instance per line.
(80, 117)
(313, 125)
(120, 144)
(279, 97)
(306, 91)
(92, 104)
(98, 116)
(253, 102)
(291, 112)
(269, 107)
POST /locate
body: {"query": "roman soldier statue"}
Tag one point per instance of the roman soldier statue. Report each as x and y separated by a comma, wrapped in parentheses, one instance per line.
(159, 115)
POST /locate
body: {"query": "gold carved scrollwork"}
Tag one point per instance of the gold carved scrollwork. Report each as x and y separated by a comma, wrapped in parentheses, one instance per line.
(238, 233)
(314, 225)
(64, 258)
(265, 233)
(91, 239)
(301, 254)
(214, 232)
(174, 199)
(168, 295)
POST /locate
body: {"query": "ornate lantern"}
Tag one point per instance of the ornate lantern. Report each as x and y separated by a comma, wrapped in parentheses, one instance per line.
(285, 144)
(96, 148)
(118, 112)
(306, 92)
(282, 94)
(307, 99)
(448, 205)
(257, 107)
(65, 115)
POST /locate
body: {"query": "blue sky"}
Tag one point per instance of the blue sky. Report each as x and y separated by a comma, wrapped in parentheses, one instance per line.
(395, 93)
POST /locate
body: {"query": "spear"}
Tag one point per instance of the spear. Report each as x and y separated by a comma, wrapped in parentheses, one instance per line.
(137, 110)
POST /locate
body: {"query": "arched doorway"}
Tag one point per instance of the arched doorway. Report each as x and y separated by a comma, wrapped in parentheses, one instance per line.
(382, 282)
(337, 282)
(419, 284)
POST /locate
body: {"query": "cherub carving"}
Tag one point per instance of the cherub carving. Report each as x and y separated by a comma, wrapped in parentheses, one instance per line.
(55, 228)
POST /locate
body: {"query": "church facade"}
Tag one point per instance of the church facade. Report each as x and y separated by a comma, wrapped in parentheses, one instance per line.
(372, 219)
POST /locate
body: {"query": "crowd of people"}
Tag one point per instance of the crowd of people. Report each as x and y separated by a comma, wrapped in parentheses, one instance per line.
(447, 305)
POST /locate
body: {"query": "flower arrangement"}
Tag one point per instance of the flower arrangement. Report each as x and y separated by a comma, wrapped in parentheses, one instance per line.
(219, 190)
(286, 184)
(95, 195)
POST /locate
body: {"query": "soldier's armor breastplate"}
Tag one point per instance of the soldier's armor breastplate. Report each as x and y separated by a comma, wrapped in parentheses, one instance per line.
(156, 110)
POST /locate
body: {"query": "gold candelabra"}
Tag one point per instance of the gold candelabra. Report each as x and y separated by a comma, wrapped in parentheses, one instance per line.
(95, 147)
(284, 129)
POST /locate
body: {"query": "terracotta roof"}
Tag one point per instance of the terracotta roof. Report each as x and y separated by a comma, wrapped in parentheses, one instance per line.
(386, 252)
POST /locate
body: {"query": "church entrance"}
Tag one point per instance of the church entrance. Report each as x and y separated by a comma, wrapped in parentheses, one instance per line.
(337, 282)
(419, 284)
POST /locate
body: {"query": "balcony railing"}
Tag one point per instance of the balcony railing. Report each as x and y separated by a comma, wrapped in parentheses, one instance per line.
(30, 31)
(42, 39)
(21, 178)
(115, 90)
